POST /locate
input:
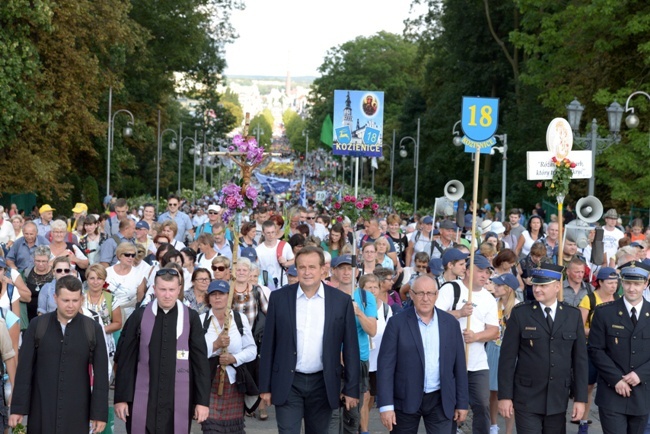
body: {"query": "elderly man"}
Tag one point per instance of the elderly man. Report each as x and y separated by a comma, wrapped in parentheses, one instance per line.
(43, 222)
(21, 254)
(214, 217)
(551, 240)
(421, 366)
(543, 357)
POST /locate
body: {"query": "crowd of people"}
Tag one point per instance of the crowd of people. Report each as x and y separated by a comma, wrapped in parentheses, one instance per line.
(323, 318)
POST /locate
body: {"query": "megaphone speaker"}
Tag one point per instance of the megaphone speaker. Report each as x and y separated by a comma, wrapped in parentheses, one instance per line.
(454, 190)
(589, 209)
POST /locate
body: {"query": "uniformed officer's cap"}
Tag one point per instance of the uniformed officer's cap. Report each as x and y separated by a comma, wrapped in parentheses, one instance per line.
(635, 271)
(547, 273)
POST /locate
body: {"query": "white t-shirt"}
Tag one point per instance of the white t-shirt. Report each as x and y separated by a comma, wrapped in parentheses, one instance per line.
(485, 313)
(5, 305)
(7, 232)
(610, 241)
(376, 340)
(124, 288)
(203, 262)
(268, 261)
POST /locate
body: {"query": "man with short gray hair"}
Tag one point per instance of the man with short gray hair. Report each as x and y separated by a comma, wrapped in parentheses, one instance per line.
(21, 254)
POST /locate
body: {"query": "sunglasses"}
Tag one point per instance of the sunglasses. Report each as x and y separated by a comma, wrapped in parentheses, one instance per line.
(129, 255)
(62, 270)
(219, 268)
(311, 218)
(212, 212)
(172, 204)
(165, 271)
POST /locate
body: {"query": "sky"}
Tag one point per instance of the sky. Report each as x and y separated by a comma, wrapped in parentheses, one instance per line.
(280, 35)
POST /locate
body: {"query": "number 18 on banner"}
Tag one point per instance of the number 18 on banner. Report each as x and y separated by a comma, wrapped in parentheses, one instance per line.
(479, 120)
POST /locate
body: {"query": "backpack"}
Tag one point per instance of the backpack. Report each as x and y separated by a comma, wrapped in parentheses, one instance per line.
(456, 293)
(89, 329)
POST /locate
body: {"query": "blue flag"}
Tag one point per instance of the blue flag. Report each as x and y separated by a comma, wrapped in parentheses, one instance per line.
(274, 185)
(303, 193)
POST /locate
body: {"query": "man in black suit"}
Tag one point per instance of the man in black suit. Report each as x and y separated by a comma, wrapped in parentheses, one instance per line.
(543, 355)
(618, 348)
(308, 325)
(421, 366)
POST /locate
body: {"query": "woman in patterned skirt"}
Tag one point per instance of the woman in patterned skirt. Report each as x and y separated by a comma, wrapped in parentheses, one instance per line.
(226, 410)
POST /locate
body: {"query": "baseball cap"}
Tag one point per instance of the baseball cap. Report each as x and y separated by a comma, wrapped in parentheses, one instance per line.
(607, 273)
(452, 255)
(219, 285)
(508, 279)
(80, 207)
(435, 266)
(249, 253)
(340, 260)
(447, 224)
(214, 207)
(481, 262)
(292, 271)
(142, 225)
(45, 208)
(428, 220)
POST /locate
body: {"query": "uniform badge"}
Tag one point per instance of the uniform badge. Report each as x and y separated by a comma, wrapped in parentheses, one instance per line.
(182, 355)
(616, 326)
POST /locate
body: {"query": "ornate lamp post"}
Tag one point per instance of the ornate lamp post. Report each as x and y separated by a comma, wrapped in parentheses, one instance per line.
(416, 161)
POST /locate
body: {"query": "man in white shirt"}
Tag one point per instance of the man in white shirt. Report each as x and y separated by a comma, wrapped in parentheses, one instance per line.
(611, 236)
(222, 246)
(484, 327)
(273, 257)
(316, 228)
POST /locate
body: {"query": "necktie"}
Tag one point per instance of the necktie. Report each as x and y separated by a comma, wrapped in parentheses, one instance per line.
(549, 318)
(633, 318)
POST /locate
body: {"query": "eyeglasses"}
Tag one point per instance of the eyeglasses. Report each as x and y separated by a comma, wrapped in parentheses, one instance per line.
(172, 204)
(165, 271)
(202, 279)
(219, 268)
(62, 270)
(129, 255)
(422, 295)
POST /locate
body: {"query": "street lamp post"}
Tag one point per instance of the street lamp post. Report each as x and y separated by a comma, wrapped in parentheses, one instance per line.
(306, 136)
(191, 152)
(172, 146)
(258, 132)
(504, 171)
(392, 167)
(416, 161)
(632, 120)
(596, 143)
(128, 131)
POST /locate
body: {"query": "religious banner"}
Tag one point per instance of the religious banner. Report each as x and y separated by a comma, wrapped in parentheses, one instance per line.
(358, 123)
(479, 120)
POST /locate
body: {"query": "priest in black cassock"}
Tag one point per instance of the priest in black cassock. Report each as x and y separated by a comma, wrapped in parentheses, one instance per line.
(162, 377)
(53, 382)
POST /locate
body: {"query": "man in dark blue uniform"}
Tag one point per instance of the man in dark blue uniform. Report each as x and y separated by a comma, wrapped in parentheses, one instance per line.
(543, 356)
(618, 347)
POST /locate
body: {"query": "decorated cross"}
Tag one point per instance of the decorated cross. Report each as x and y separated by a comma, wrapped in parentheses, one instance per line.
(236, 197)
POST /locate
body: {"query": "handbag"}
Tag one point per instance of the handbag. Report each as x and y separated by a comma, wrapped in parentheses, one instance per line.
(260, 320)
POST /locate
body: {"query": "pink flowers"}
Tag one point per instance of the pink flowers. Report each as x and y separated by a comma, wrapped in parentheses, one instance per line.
(573, 165)
(359, 205)
(254, 152)
(337, 205)
(375, 206)
(251, 192)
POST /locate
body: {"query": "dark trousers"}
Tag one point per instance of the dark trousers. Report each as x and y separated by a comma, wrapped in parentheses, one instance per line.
(307, 400)
(619, 423)
(531, 423)
(432, 413)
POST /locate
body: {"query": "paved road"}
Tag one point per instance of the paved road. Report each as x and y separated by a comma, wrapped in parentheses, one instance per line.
(255, 426)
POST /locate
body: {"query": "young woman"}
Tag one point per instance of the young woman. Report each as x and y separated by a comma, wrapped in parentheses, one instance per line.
(505, 286)
(91, 239)
(336, 240)
(369, 258)
(534, 232)
(399, 239)
(372, 283)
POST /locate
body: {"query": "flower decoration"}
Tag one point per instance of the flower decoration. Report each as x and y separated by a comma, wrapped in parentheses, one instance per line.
(254, 152)
(353, 208)
(559, 185)
(240, 195)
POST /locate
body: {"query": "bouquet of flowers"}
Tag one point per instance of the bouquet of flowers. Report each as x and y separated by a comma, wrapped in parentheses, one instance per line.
(254, 152)
(559, 185)
(353, 208)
